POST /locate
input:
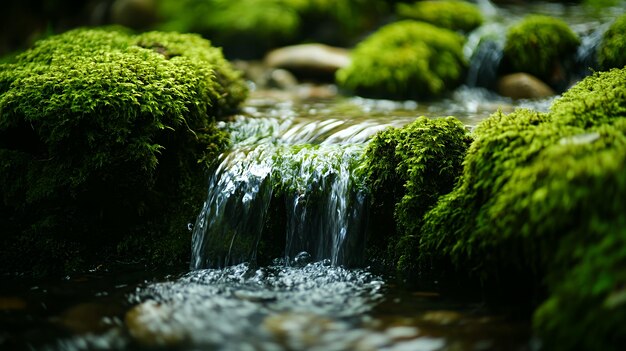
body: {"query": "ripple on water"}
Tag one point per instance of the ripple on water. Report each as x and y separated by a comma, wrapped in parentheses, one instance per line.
(313, 307)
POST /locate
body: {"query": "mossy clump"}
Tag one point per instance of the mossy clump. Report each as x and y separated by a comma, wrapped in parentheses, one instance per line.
(405, 60)
(450, 14)
(107, 134)
(538, 207)
(594, 101)
(406, 170)
(538, 45)
(612, 48)
(587, 306)
(461, 228)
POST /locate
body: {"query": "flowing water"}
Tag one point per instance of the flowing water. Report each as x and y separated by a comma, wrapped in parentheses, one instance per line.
(284, 220)
(278, 246)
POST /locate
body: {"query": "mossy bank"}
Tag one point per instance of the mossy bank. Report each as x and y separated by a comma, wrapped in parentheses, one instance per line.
(104, 139)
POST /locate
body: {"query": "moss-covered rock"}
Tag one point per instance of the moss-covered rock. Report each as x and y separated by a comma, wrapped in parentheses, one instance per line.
(538, 207)
(538, 45)
(597, 100)
(460, 227)
(587, 307)
(106, 134)
(451, 14)
(405, 60)
(612, 49)
(407, 169)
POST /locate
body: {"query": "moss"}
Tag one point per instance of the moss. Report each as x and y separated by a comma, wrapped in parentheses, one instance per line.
(453, 14)
(459, 228)
(495, 205)
(538, 44)
(405, 60)
(408, 169)
(587, 308)
(538, 208)
(111, 131)
(596, 100)
(612, 49)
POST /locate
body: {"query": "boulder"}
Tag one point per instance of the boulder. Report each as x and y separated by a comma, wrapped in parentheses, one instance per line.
(147, 325)
(313, 61)
(523, 86)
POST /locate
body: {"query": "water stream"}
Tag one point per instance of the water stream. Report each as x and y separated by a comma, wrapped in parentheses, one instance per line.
(291, 180)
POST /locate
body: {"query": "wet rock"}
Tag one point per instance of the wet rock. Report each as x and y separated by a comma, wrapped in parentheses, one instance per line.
(402, 332)
(88, 317)
(299, 330)
(311, 61)
(523, 86)
(147, 325)
(442, 317)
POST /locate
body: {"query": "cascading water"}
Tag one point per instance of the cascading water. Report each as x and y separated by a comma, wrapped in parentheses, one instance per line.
(322, 205)
(289, 180)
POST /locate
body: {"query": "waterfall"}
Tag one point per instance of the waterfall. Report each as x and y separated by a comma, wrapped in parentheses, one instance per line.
(290, 189)
(321, 210)
(484, 50)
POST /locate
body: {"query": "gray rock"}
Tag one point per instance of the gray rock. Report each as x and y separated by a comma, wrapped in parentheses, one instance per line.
(310, 60)
(523, 86)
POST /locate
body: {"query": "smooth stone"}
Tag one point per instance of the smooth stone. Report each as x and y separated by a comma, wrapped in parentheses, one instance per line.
(298, 330)
(147, 324)
(87, 317)
(310, 60)
(442, 317)
(523, 86)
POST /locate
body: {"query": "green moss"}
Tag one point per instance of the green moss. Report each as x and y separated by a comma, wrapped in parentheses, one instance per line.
(612, 49)
(406, 60)
(587, 308)
(110, 131)
(453, 14)
(596, 100)
(486, 223)
(460, 227)
(409, 168)
(539, 206)
(538, 44)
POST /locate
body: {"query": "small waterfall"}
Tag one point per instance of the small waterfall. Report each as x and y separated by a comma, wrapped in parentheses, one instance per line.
(290, 188)
(320, 214)
(586, 56)
(484, 50)
(231, 221)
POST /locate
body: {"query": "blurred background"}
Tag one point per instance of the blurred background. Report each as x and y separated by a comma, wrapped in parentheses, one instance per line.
(245, 28)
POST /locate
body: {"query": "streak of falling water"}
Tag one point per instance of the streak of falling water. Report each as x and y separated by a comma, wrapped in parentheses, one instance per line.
(322, 196)
(290, 181)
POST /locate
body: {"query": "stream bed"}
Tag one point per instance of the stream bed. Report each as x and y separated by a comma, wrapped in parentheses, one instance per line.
(305, 299)
(307, 142)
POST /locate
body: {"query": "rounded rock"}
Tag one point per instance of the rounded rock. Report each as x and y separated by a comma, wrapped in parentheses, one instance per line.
(523, 86)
